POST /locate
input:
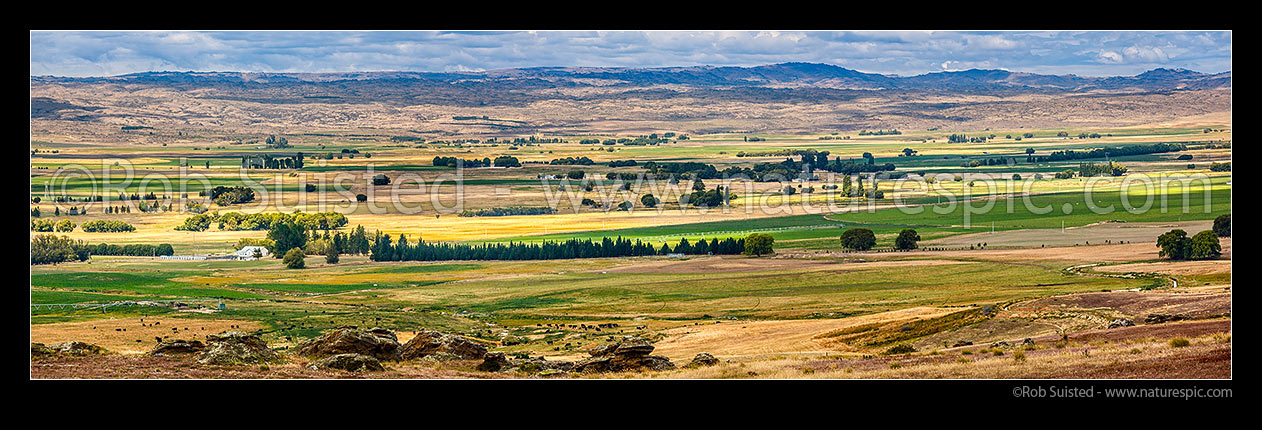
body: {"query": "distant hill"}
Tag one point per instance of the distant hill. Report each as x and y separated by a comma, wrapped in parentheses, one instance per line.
(774, 75)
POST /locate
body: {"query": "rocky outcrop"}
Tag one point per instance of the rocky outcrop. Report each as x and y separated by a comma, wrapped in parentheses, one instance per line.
(40, 350)
(703, 359)
(542, 365)
(1161, 318)
(494, 362)
(234, 347)
(349, 363)
(177, 347)
(429, 342)
(1121, 322)
(77, 348)
(631, 354)
(376, 342)
(1001, 344)
(961, 343)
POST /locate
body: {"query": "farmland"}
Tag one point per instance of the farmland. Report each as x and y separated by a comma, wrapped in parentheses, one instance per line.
(1003, 246)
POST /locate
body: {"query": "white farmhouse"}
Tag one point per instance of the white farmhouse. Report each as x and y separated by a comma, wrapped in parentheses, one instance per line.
(247, 253)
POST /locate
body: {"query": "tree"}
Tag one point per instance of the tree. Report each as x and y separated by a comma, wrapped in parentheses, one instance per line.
(649, 201)
(361, 198)
(294, 259)
(64, 225)
(1204, 246)
(381, 179)
(1222, 225)
(758, 244)
(1174, 245)
(697, 185)
(859, 239)
(50, 249)
(330, 255)
(286, 236)
(906, 239)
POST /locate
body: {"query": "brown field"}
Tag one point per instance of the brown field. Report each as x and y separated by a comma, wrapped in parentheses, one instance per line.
(102, 332)
(761, 338)
(727, 264)
(1088, 253)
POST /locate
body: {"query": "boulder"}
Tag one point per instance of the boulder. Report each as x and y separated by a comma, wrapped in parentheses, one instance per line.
(234, 347)
(77, 348)
(429, 342)
(1161, 318)
(349, 362)
(630, 354)
(494, 362)
(1001, 344)
(40, 350)
(177, 347)
(376, 342)
(542, 365)
(1121, 322)
(1027, 342)
(703, 359)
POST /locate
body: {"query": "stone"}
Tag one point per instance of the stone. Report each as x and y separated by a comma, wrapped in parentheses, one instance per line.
(542, 365)
(177, 347)
(349, 363)
(629, 354)
(429, 342)
(1001, 344)
(235, 348)
(494, 362)
(376, 342)
(1121, 322)
(77, 348)
(1161, 318)
(40, 350)
(703, 359)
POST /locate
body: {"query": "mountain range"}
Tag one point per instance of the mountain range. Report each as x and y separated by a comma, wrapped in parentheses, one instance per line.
(774, 75)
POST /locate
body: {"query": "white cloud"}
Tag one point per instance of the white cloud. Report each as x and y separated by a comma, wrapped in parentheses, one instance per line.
(890, 52)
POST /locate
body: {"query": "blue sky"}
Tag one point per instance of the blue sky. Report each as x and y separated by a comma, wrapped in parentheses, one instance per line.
(1089, 53)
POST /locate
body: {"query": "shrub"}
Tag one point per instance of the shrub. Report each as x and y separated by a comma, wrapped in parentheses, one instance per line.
(1018, 357)
(758, 244)
(64, 225)
(649, 201)
(294, 259)
(900, 349)
(859, 239)
(1222, 225)
(106, 226)
(1179, 342)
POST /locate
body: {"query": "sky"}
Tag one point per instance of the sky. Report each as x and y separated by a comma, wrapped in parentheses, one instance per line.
(1086, 53)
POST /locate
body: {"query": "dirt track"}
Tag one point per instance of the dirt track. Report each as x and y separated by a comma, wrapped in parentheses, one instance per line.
(1095, 233)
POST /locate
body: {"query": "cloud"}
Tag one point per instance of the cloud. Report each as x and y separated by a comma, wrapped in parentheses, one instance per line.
(98, 53)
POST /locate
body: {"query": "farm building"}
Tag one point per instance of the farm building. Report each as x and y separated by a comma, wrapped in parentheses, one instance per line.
(248, 253)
